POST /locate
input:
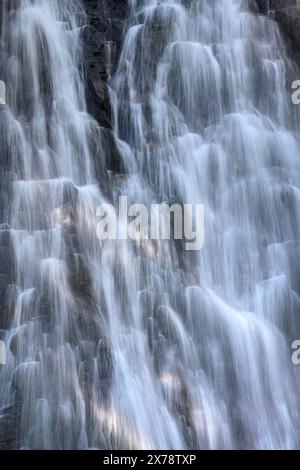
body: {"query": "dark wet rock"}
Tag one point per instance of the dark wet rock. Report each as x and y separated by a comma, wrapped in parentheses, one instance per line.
(4, 311)
(6, 274)
(86, 378)
(105, 360)
(6, 175)
(85, 321)
(287, 15)
(288, 19)
(5, 163)
(5, 261)
(112, 156)
(79, 279)
(102, 40)
(71, 246)
(9, 424)
(96, 76)
(6, 181)
(264, 6)
(4, 237)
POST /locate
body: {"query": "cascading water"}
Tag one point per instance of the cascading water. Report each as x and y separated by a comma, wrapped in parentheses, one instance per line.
(140, 345)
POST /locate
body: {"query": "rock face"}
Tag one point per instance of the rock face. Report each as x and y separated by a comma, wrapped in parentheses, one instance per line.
(6, 178)
(268, 5)
(102, 41)
(102, 38)
(287, 15)
(289, 21)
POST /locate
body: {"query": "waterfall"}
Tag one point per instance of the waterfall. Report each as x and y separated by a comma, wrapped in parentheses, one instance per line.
(140, 344)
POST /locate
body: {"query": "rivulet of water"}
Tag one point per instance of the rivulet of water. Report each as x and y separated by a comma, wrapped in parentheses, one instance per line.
(127, 345)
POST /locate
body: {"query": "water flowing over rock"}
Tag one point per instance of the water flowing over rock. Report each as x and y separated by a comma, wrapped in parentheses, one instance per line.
(121, 345)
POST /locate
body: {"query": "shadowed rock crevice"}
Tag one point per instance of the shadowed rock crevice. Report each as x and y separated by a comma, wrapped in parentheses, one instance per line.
(114, 346)
(287, 15)
(102, 41)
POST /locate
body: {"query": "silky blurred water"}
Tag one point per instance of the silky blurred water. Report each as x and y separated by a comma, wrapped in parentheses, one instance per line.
(126, 345)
